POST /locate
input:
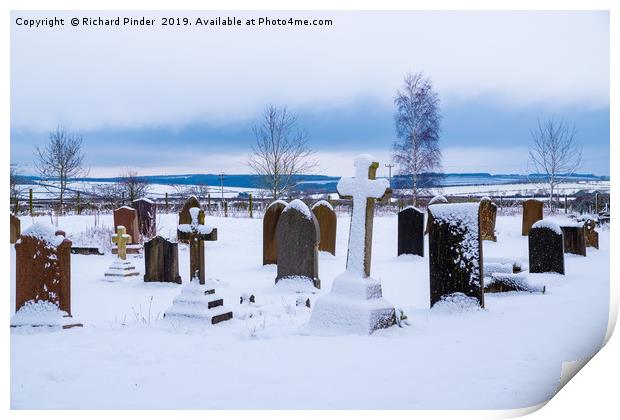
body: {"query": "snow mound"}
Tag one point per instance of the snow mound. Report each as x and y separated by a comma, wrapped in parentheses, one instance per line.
(126, 207)
(300, 206)
(496, 267)
(40, 314)
(322, 203)
(438, 199)
(296, 284)
(45, 233)
(547, 224)
(514, 282)
(457, 303)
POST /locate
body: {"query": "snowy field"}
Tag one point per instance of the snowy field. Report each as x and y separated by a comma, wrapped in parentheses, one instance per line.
(506, 356)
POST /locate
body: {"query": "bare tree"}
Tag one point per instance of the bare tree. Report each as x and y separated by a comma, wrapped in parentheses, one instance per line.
(281, 151)
(417, 119)
(554, 153)
(132, 186)
(61, 159)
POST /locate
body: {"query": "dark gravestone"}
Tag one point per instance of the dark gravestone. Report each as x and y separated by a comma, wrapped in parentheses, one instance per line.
(184, 217)
(270, 222)
(488, 215)
(591, 233)
(546, 248)
(195, 234)
(147, 215)
(455, 252)
(411, 231)
(161, 260)
(128, 217)
(15, 228)
(298, 237)
(325, 215)
(532, 213)
(574, 239)
(438, 199)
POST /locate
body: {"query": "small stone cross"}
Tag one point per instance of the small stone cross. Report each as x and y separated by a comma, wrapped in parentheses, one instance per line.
(364, 189)
(196, 233)
(121, 239)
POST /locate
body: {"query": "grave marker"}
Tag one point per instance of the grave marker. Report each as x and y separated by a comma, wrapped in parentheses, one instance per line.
(120, 267)
(147, 217)
(15, 228)
(128, 217)
(591, 233)
(325, 215)
(574, 238)
(532, 213)
(161, 261)
(196, 233)
(546, 247)
(411, 231)
(270, 222)
(488, 215)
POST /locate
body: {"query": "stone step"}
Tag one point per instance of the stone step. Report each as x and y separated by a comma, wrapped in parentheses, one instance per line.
(214, 315)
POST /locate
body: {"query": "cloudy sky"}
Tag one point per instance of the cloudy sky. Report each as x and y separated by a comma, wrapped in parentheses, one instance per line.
(173, 100)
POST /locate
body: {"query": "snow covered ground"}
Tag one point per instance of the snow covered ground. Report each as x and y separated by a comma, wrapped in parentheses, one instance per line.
(506, 356)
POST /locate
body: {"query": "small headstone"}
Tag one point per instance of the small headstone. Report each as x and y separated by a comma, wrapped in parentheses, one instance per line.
(488, 215)
(574, 238)
(15, 228)
(298, 237)
(326, 216)
(147, 217)
(546, 247)
(455, 252)
(532, 213)
(591, 233)
(161, 261)
(128, 217)
(438, 199)
(43, 279)
(270, 222)
(411, 231)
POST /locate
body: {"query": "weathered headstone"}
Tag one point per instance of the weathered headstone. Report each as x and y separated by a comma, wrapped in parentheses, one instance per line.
(438, 199)
(15, 228)
(128, 217)
(455, 252)
(147, 217)
(185, 218)
(121, 267)
(532, 213)
(546, 247)
(574, 238)
(411, 231)
(355, 302)
(161, 261)
(198, 299)
(326, 216)
(591, 233)
(270, 222)
(298, 236)
(43, 279)
(488, 215)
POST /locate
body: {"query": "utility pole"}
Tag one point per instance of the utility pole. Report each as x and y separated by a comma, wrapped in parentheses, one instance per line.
(390, 166)
(222, 174)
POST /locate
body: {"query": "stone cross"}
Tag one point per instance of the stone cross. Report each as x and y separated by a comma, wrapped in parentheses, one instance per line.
(364, 189)
(121, 239)
(196, 233)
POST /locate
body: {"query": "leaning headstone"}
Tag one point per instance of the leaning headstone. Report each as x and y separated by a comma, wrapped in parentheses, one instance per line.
(574, 238)
(15, 228)
(355, 303)
(532, 213)
(438, 199)
(147, 217)
(591, 233)
(326, 216)
(298, 238)
(128, 217)
(546, 247)
(411, 231)
(488, 215)
(161, 261)
(43, 279)
(455, 252)
(270, 222)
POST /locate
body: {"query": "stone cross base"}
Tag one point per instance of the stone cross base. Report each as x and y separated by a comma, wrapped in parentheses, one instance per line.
(354, 305)
(199, 302)
(121, 269)
(131, 249)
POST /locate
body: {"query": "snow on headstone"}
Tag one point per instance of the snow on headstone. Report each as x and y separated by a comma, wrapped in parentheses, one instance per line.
(355, 303)
(438, 199)
(147, 217)
(325, 215)
(546, 247)
(270, 222)
(532, 213)
(411, 231)
(184, 217)
(298, 236)
(196, 233)
(455, 252)
(591, 233)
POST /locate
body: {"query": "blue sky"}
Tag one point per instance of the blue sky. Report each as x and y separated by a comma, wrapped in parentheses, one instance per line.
(184, 101)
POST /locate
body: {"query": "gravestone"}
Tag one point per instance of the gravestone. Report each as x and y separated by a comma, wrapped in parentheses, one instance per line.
(15, 228)
(298, 236)
(147, 217)
(438, 199)
(411, 231)
(161, 261)
(326, 216)
(455, 252)
(196, 233)
(270, 222)
(546, 247)
(591, 233)
(121, 267)
(128, 217)
(488, 215)
(574, 238)
(43, 279)
(355, 303)
(184, 217)
(532, 213)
